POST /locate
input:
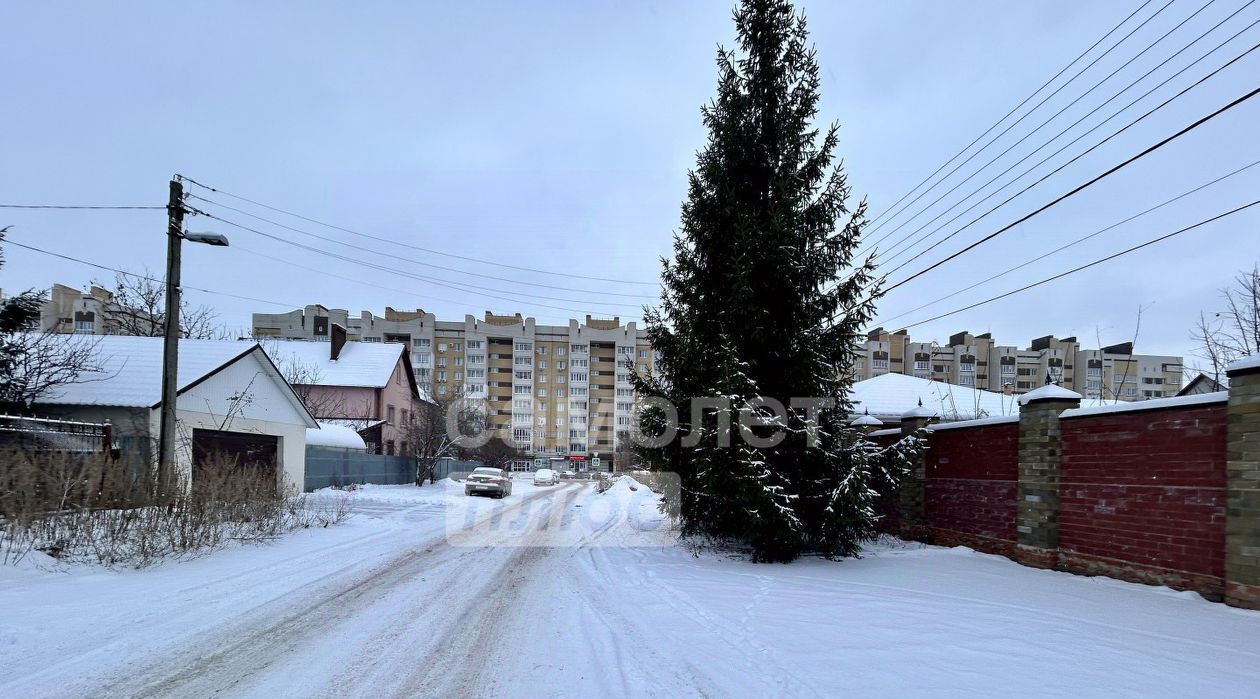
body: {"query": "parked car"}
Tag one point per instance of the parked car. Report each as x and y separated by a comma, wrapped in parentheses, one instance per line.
(545, 476)
(485, 480)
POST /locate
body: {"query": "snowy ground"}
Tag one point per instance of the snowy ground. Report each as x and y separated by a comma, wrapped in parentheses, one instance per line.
(588, 599)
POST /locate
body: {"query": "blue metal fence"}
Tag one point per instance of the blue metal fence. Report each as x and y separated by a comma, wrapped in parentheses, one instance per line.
(326, 466)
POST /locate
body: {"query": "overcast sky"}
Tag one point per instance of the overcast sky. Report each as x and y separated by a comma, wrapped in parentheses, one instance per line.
(557, 136)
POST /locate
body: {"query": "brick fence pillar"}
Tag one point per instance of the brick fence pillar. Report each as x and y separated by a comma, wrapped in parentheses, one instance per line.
(1242, 487)
(1040, 457)
(913, 492)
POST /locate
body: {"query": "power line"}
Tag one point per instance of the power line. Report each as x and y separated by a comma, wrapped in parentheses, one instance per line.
(146, 277)
(1030, 111)
(1116, 168)
(1078, 241)
(1016, 108)
(403, 273)
(412, 261)
(1087, 265)
(1091, 182)
(415, 247)
(68, 206)
(1067, 129)
(346, 278)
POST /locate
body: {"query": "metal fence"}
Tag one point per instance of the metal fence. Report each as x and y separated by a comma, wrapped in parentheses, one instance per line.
(326, 466)
(329, 466)
(46, 434)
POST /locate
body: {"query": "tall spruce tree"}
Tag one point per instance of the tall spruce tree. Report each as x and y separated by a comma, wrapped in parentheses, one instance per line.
(764, 298)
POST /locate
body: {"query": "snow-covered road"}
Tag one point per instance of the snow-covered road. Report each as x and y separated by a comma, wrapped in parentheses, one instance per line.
(556, 592)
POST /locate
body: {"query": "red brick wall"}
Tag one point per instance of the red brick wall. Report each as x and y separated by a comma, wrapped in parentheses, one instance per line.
(1145, 488)
(970, 493)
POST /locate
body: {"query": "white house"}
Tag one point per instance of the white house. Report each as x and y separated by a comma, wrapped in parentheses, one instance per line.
(231, 399)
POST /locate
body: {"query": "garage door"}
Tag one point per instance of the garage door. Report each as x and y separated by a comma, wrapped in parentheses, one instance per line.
(243, 450)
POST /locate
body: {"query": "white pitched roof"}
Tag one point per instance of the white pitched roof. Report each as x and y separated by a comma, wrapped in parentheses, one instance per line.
(890, 396)
(363, 364)
(129, 369)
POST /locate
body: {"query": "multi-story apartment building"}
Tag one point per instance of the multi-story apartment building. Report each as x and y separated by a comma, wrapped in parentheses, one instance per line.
(556, 391)
(91, 312)
(1113, 372)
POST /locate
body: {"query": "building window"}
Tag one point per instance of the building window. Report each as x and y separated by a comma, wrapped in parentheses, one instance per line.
(542, 393)
(542, 378)
(476, 358)
(420, 343)
(476, 373)
(642, 354)
(1008, 370)
(577, 390)
(441, 376)
(524, 347)
(967, 380)
(84, 327)
(441, 346)
(560, 351)
(474, 344)
(623, 377)
(542, 363)
(921, 365)
(459, 376)
(371, 339)
(542, 349)
(965, 366)
(579, 363)
(441, 389)
(524, 375)
(879, 363)
(578, 376)
(577, 348)
(441, 361)
(459, 361)
(522, 390)
(522, 435)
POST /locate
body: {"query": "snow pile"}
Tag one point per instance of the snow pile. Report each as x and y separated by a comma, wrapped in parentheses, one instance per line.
(336, 436)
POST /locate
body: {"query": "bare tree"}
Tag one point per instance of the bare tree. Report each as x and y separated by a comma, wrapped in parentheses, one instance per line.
(306, 380)
(39, 362)
(33, 363)
(497, 453)
(440, 430)
(1233, 332)
(140, 309)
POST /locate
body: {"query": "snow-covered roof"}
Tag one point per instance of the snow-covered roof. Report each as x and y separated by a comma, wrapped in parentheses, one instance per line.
(1049, 392)
(866, 421)
(361, 364)
(890, 396)
(998, 420)
(357, 424)
(128, 370)
(1153, 404)
(330, 435)
(1246, 364)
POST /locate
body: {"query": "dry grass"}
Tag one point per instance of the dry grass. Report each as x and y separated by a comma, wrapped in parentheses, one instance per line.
(88, 508)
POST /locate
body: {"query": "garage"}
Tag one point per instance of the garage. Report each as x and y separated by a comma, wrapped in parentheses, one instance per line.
(246, 450)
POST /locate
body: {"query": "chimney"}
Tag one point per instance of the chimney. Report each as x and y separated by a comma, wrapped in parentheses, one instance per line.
(338, 340)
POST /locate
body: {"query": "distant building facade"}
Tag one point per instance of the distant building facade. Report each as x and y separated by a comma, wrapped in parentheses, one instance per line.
(556, 391)
(92, 312)
(978, 361)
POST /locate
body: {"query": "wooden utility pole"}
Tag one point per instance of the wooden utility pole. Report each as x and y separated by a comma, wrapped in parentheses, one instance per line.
(170, 335)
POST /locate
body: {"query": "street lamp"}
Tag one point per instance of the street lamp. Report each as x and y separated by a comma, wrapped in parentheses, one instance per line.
(175, 235)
